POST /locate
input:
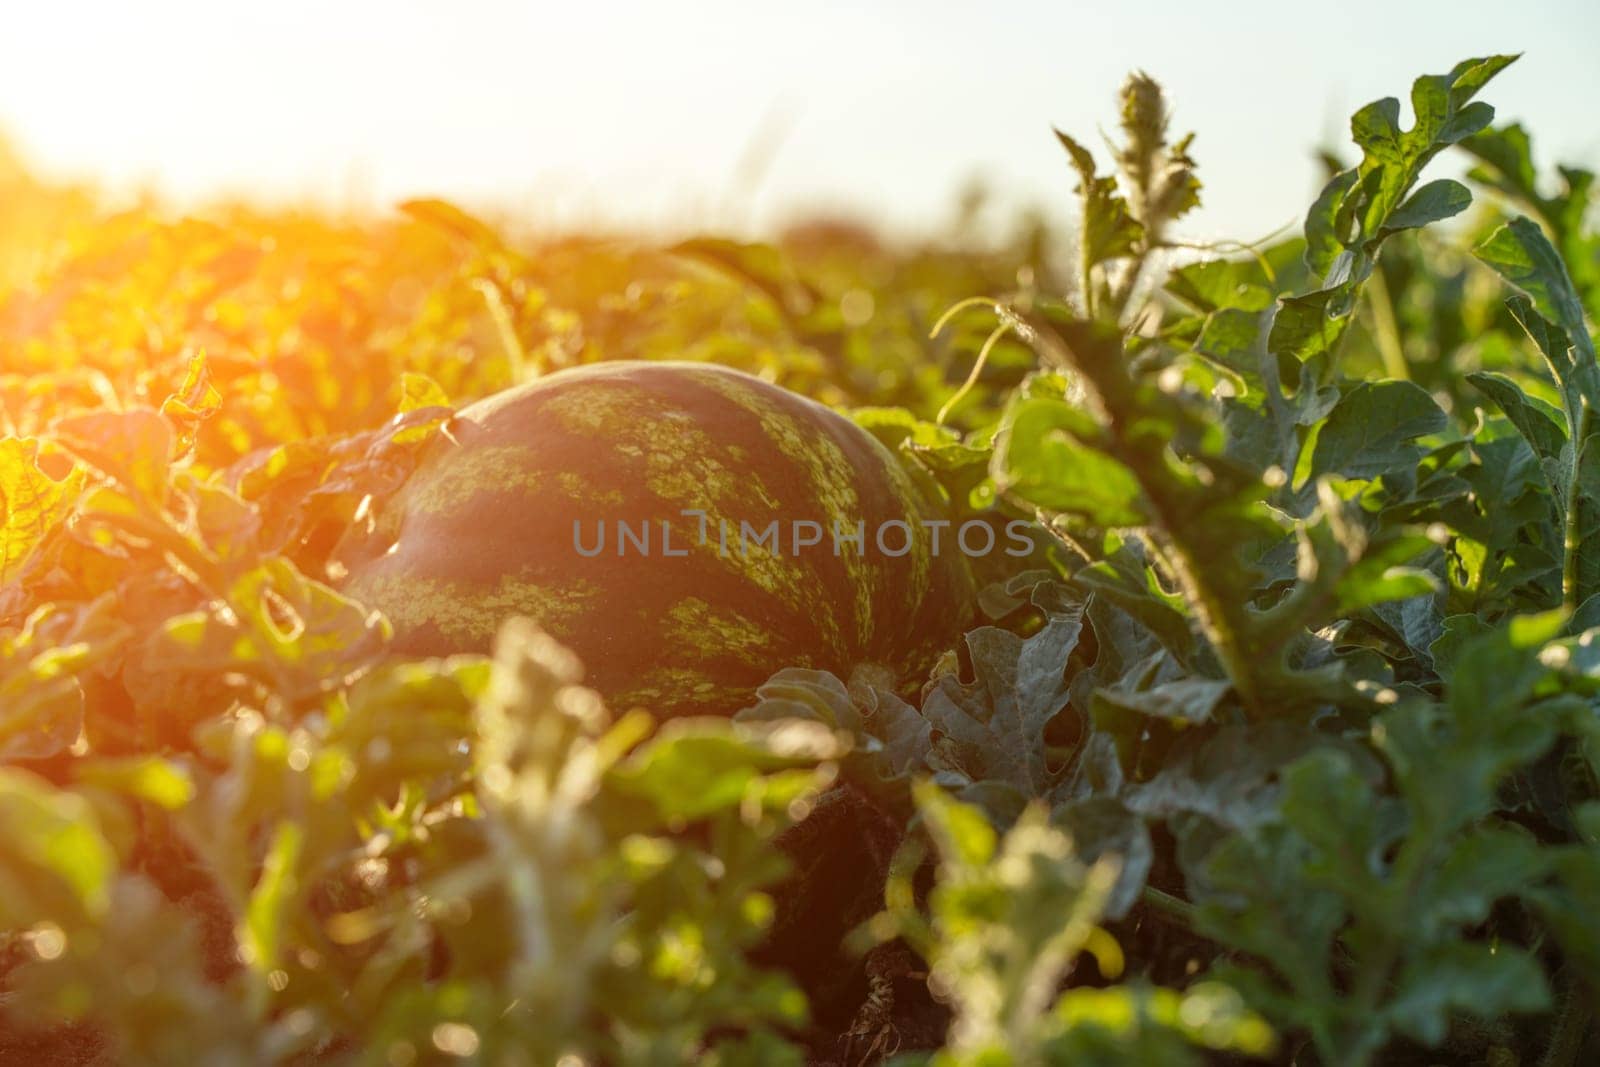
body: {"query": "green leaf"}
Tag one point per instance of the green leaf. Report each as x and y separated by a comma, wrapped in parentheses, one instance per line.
(159, 781)
(1508, 151)
(693, 768)
(1131, 1023)
(1230, 340)
(801, 693)
(1568, 905)
(1477, 979)
(1449, 759)
(276, 894)
(31, 503)
(1500, 668)
(1252, 894)
(418, 391)
(278, 628)
(762, 267)
(1220, 284)
(453, 220)
(1572, 376)
(1374, 429)
(891, 739)
(1230, 778)
(133, 448)
(1506, 156)
(1006, 920)
(1539, 423)
(1335, 808)
(1307, 326)
(53, 844)
(1524, 256)
(1323, 243)
(195, 401)
(1359, 208)
(994, 726)
(1433, 202)
(43, 666)
(1102, 826)
(1124, 577)
(963, 834)
(1108, 230)
(1367, 584)
(1042, 461)
(1483, 866)
(1447, 651)
(1186, 701)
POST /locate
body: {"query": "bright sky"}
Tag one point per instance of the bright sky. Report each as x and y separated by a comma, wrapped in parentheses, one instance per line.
(651, 112)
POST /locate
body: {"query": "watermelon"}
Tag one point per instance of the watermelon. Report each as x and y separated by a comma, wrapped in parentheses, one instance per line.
(685, 528)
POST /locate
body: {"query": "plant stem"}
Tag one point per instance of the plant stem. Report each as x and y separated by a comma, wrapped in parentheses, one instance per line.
(500, 313)
(1386, 329)
(1175, 908)
(1572, 1023)
(1211, 608)
(1207, 584)
(1572, 539)
(1086, 277)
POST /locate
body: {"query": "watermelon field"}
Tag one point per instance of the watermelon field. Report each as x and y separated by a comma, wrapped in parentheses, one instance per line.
(426, 641)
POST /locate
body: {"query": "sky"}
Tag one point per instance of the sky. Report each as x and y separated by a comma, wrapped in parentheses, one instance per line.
(742, 115)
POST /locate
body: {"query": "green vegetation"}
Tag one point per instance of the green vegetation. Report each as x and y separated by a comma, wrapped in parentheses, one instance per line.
(1283, 746)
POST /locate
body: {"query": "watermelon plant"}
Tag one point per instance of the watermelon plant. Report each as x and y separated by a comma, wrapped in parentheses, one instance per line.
(1273, 741)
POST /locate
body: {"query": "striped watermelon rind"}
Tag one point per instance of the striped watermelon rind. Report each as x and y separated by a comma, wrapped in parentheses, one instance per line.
(503, 514)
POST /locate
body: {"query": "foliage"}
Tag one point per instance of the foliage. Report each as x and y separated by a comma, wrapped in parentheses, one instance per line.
(1006, 922)
(1288, 724)
(1304, 663)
